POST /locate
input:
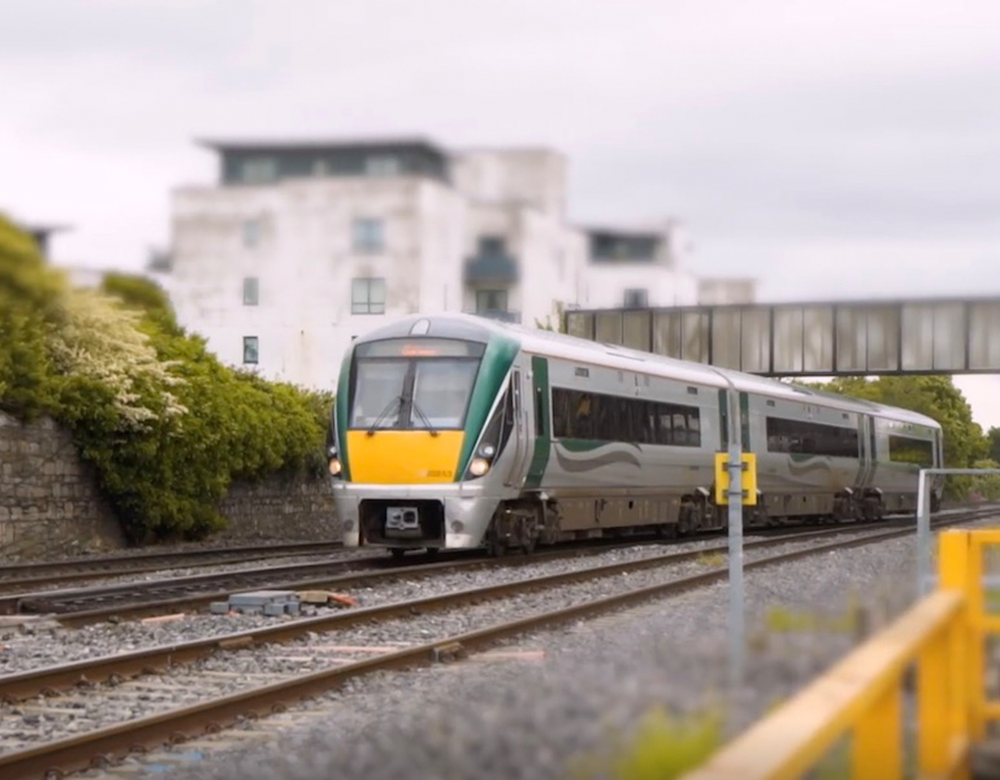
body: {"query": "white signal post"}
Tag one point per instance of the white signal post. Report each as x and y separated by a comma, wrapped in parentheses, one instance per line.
(924, 521)
(737, 628)
(730, 468)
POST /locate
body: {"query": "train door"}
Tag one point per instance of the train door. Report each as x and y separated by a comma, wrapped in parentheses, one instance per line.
(519, 436)
(866, 469)
(542, 421)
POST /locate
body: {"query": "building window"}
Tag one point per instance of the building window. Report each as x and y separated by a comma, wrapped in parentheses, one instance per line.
(636, 299)
(260, 170)
(251, 291)
(491, 300)
(251, 233)
(250, 350)
(368, 296)
(382, 165)
(492, 245)
(367, 235)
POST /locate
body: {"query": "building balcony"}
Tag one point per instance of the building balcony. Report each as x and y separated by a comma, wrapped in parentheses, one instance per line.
(499, 267)
(513, 317)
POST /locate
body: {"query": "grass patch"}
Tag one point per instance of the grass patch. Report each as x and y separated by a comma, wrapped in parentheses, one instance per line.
(665, 746)
(835, 765)
(711, 559)
(782, 620)
(661, 747)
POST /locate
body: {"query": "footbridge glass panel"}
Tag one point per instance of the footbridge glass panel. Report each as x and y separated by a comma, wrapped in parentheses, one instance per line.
(811, 339)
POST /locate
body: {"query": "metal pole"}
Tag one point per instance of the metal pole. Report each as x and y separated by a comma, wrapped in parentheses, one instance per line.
(923, 534)
(924, 574)
(737, 629)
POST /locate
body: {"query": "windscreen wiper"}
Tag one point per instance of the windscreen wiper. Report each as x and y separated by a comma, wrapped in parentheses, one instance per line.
(423, 418)
(389, 408)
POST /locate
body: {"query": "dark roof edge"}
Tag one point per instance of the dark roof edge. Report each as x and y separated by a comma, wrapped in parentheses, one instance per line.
(246, 144)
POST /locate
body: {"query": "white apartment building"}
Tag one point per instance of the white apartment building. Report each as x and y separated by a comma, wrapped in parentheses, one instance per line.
(300, 247)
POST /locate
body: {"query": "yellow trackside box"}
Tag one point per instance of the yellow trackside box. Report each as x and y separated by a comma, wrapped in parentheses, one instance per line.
(748, 482)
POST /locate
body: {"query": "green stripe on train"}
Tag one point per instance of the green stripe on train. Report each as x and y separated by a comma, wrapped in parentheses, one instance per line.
(497, 360)
(342, 415)
(543, 424)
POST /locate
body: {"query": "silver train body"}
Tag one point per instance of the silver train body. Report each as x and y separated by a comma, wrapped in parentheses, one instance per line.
(506, 437)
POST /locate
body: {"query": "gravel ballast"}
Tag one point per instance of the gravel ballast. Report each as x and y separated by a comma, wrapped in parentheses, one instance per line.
(238, 669)
(45, 643)
(556, 717)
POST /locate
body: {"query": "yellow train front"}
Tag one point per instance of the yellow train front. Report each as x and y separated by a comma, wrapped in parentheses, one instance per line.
(422, 416)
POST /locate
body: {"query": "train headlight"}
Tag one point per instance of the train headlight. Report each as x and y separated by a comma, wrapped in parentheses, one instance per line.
(479, 466)
(487, 451)
(335, 467)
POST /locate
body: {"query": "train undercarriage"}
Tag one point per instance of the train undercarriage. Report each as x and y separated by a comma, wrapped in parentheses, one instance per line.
(522, 525)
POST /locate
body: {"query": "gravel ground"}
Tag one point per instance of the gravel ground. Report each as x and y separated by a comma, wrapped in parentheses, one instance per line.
(22, 650)
(228, 672)
(557, 717)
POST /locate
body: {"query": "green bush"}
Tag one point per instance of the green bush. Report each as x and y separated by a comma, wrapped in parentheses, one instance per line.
(167, 426)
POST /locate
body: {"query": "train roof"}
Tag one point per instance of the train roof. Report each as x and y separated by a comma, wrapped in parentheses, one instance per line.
(560, 345)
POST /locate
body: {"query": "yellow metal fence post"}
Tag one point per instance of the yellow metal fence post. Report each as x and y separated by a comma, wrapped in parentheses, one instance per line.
(877, 741)
(976, 648)
(953, 575)
(933, 702)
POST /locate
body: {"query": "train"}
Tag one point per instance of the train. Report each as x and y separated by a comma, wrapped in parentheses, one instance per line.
(458, 432)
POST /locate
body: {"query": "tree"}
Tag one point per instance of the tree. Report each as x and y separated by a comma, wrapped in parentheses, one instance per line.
(994, 444)
(28, 290)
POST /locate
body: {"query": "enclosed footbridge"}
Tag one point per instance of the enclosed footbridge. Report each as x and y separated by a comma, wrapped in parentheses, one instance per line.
(942, 336)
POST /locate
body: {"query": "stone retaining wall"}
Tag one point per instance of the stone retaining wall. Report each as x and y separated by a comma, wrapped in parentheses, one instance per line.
(280, 508)
(50, 505)
(49, 501)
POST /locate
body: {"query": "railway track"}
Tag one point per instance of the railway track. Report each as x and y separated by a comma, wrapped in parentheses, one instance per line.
(26, 575)
(219, 704)
(127, 600)
(130, 599)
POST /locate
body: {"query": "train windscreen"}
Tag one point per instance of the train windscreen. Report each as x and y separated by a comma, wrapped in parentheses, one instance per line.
(413, 384)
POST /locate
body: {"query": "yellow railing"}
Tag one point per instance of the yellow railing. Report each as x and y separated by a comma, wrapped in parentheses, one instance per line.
(943, 638)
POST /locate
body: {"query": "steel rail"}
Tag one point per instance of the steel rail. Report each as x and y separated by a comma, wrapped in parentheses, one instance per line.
(103, 745)
(112, 563)
(180, 562)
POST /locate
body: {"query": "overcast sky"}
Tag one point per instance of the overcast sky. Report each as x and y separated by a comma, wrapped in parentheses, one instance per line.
(831, 150)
